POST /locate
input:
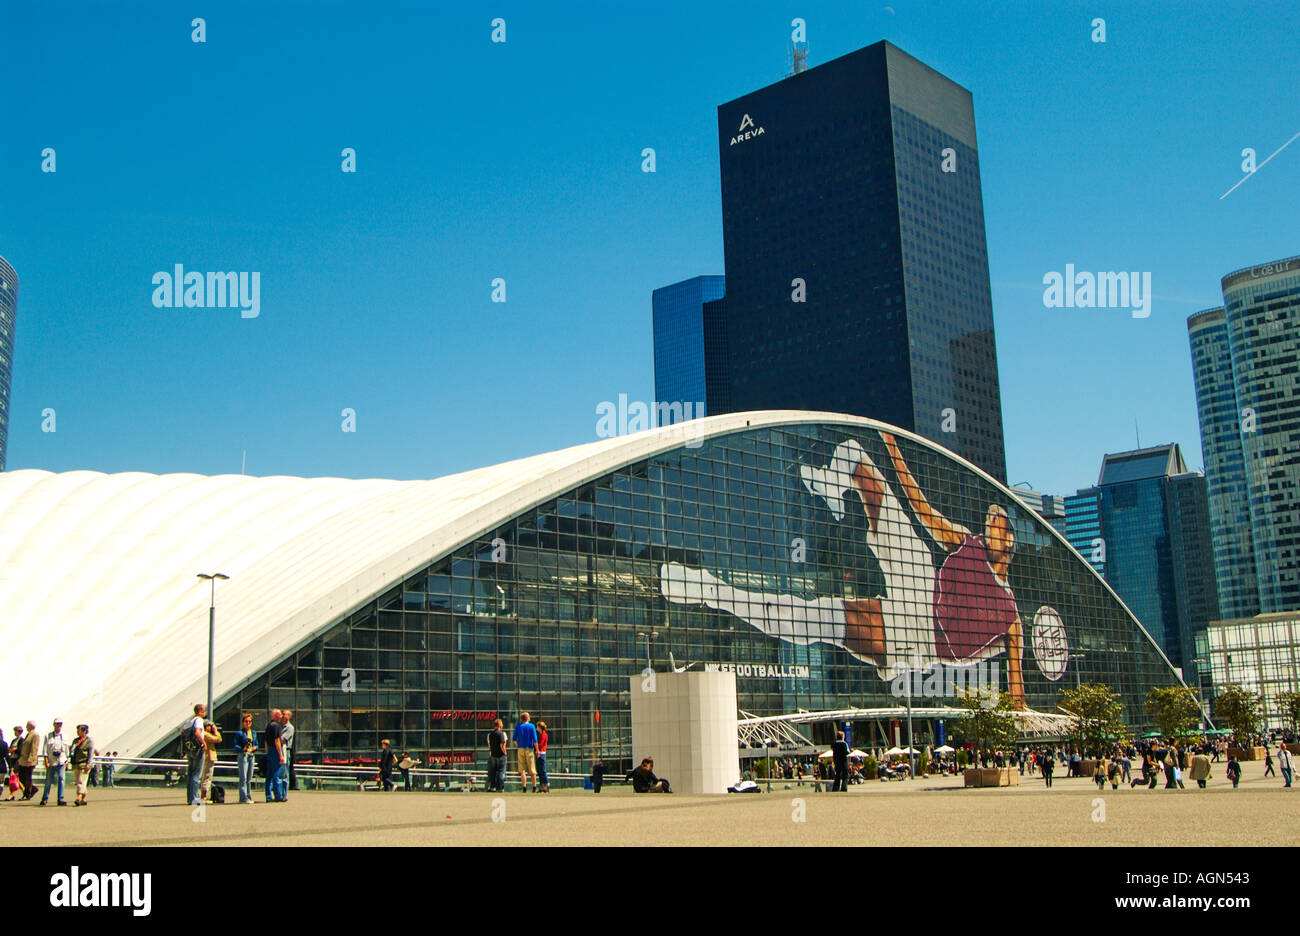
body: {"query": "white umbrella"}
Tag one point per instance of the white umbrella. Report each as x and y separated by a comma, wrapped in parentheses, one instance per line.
(825, 754)
(894, 751)
(944, 749)
(856, 753)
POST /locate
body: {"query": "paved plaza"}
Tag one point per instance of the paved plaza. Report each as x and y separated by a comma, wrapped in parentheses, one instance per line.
(925, 812)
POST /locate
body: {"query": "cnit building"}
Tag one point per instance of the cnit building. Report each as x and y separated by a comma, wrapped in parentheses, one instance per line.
(418, 610)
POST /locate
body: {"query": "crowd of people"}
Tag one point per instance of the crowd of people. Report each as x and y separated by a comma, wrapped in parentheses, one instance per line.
(28, 748)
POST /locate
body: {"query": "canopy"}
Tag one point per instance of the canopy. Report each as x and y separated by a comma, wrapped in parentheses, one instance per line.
(944, 749)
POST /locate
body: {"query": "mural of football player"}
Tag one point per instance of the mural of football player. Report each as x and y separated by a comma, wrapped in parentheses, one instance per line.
(960, 614)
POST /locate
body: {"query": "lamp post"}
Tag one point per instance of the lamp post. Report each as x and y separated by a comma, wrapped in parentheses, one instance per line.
(212, 628)
(1075, 657)
(647, 637)
(911, 750)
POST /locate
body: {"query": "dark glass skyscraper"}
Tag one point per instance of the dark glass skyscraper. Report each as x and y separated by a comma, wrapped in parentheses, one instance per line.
(679, 339)
(857, 270)
(1083, 525)
(1225, 472)
(1155, 525)
(8, 314)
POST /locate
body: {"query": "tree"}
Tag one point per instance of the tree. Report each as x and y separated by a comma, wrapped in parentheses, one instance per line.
(1172, 708)
(1289, 704)
(992, 724)
(1099, 715)
(1239, 709)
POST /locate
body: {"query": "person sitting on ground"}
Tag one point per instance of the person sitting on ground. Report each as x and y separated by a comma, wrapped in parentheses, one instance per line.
(645, 781)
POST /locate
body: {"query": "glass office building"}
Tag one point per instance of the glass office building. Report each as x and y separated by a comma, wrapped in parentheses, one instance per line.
(1155, 526)
(679, 341)
(1083, 526)
(1262, 308)
(8, 318)
(1225, 470)
(856, 262)
(1261, 654)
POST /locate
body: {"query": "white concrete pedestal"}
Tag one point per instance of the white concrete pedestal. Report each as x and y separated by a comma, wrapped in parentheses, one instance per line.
(687, 723)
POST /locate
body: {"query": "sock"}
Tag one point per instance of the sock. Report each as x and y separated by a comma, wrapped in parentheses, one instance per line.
(795, 620)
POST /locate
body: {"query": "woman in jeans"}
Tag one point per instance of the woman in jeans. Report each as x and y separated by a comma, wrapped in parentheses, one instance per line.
(542, 737)
(82, 758)
(246, 746)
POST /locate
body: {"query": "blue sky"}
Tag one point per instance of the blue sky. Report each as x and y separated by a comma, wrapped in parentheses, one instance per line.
(522, 160)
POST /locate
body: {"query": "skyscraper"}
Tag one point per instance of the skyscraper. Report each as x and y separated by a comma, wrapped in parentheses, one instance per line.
(1225, 472)
(679, 340)
(1262, 308)
(1155, 525)
(856, 264)
(8, 316)
(1083, 526)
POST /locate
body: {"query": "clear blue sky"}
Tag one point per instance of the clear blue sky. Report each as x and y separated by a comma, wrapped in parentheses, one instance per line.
(522, 160)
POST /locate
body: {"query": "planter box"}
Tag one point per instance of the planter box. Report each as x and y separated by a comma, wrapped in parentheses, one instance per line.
(991, 776)
(1245, 754)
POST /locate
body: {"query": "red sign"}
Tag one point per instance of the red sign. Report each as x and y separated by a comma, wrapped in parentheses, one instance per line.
(463, 715)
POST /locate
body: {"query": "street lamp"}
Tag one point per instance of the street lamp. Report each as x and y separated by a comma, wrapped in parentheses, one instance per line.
(212, 628)
(1076, 657)
(647, 645)
(911, 749)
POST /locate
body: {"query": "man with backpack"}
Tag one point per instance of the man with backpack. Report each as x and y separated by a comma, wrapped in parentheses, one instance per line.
(196, 752)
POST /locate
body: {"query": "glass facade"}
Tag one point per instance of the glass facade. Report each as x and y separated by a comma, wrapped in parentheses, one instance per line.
(679, 340)
(1262, 307)
(1225, 471)
(8, 317)
(796, 554)
(1260, 653)
(1083, 525)
(1154, 521)
(857, 270)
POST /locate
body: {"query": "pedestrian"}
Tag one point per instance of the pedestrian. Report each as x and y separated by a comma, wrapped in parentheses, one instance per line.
(497, 741)
(13, 754)
(1113, 774)
(1284, 762)
(28, 754)
(82, 757)
(273, 736)
(1268, 763)
(246, 749)
(211, 738)
(1099, 774)
(55, 754)
(288, 779)
(542, 738)
(1049, 765)
(1233, 770)
(597, 773)
(387, 759)
(1126, 769)
(405, 765)
(526, 744)
(1200, 769)
(840, 757)
(644, 779)
(195, 753)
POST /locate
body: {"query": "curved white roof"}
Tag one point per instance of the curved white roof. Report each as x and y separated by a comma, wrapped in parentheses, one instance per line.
(107, 623)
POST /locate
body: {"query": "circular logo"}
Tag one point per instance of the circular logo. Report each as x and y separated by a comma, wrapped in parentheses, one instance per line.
(1051, 649)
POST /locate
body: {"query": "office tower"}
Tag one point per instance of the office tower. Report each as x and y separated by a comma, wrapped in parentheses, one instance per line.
(1083, 526)
(1262, 308)
(856, 264)
(1225, 471)
(1155, 527)
(680, 342)
(8, 316)
(1051, 507)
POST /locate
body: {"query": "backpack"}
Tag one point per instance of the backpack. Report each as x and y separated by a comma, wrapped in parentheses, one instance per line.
(217, 794)
(189, 744)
